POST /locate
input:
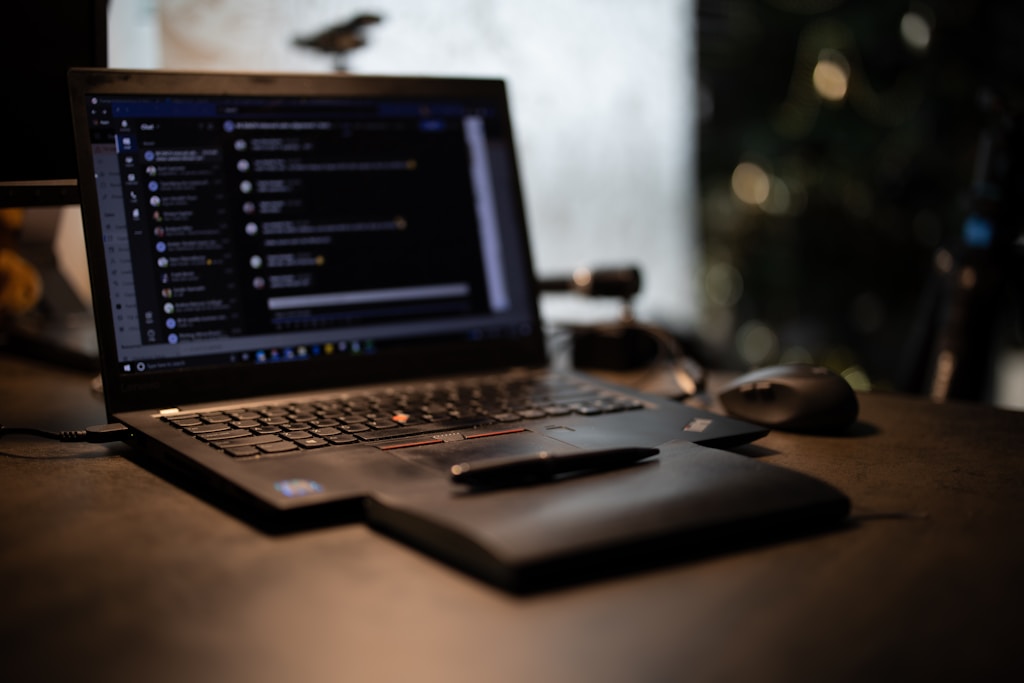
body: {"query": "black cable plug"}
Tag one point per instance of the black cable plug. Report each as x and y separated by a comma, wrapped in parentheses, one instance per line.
(107, 433)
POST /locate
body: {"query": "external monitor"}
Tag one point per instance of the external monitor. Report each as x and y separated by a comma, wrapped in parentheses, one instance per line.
(44, 39)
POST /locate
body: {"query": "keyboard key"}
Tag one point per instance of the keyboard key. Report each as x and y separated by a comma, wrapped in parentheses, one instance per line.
(242, 451)
(274, 411)
(355, 428)
(278, 447)
(266, 429)
(296, 435)
(183, 422)
(202, 429)
(226, 434)
(312, 442)
(588, 409)
(247, 441)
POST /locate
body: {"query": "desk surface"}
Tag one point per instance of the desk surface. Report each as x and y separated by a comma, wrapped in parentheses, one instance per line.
(109, 573)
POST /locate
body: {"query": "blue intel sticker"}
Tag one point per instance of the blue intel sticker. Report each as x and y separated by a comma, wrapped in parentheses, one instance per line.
(296, 488)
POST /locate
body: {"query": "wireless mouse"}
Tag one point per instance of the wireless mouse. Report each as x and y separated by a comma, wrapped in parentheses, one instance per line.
(798, 397)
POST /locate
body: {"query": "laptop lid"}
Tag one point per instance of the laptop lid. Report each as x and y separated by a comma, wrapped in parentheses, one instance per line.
(253, 234)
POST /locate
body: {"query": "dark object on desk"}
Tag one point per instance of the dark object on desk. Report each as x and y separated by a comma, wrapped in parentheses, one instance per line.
(797, 397)
(632, 346)
(613, 347)
(690, 501)
(625, 344)
(622, 345)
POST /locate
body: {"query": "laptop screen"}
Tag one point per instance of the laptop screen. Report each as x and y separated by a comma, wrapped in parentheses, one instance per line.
(254, 229)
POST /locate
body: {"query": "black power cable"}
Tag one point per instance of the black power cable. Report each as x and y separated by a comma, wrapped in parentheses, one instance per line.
(107, 433)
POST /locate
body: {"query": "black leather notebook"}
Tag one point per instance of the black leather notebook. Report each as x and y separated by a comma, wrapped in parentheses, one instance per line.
(687, 502)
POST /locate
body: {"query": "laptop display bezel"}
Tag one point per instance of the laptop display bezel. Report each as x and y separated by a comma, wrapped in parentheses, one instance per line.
(158, 390)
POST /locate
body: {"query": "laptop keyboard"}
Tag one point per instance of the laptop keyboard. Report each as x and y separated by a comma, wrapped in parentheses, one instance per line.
(348, 418)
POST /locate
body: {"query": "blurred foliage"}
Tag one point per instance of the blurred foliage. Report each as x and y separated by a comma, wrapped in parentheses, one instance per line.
(831, 266)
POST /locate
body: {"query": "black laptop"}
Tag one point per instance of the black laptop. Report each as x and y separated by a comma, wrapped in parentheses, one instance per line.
(311, 288)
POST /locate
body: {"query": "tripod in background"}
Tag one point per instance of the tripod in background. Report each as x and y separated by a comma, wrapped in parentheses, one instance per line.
(974, 305)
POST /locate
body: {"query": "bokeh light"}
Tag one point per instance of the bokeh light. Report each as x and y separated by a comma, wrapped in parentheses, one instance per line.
(750, 183)
(916, 31)
(757, 343)
(831, 76)
(723, 284)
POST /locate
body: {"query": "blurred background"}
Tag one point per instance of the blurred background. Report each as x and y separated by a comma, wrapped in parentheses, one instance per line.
(797, 180)
(859, 177)
(601, 93)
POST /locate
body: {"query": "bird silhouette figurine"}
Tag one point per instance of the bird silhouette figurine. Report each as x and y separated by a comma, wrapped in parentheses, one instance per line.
(341, 39)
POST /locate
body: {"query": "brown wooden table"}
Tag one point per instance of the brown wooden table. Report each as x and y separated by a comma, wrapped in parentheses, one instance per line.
(108, 572)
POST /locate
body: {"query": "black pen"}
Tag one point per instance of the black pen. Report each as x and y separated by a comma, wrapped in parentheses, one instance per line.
(517, 469)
